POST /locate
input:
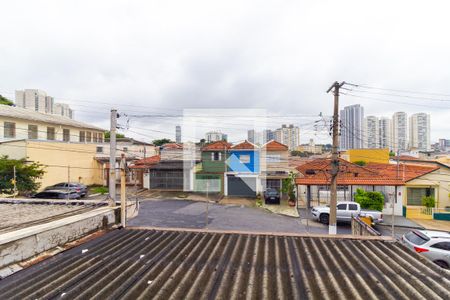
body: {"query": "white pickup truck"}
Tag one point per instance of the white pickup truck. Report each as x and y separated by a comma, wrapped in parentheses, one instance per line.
(344, 212)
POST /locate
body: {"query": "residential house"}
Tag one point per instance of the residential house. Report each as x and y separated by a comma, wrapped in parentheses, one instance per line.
(210, 174)
(314, 179)
(53, 141)
(175, 170)
(242, 176)
(274, 164)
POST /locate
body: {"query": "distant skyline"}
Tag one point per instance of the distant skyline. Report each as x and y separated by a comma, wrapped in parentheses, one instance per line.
(146, 57)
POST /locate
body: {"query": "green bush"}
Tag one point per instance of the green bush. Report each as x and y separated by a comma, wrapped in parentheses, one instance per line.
(369, 200)
(100, 190)
(361, 163)
(428, 201)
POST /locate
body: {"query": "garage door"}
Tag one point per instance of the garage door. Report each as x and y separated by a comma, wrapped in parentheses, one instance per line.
(163, 179)
(242, 186)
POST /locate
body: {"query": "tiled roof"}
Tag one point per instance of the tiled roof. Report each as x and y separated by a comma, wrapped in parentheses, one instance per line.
(145, 162)
(245, 145)
(172, 146)
(318, 172)
(219, 145)
(405, 157)
(406, 172)
(274, 146)
(157, 264)
(31, 115)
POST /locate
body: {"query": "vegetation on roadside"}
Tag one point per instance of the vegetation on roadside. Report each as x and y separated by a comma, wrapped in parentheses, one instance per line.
(369, 200)
(301, 153)
(288, 186)
(27, 175)
(99, 190)
(428, 201)
(118, 135)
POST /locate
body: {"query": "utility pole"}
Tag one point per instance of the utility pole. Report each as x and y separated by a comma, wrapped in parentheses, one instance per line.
(14, 181)
(112, 157)
(123, 195)
(334, 158)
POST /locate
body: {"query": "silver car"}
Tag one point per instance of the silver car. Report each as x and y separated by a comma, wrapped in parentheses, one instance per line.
(434, 245)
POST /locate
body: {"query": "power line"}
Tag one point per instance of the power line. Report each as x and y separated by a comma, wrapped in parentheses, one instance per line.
(392, 101)
(396, 90)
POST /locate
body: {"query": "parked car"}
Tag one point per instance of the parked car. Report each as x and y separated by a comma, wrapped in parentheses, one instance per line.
(434, 245)
(272, 196)
(344, 212)
(80, 188)
(58, 194)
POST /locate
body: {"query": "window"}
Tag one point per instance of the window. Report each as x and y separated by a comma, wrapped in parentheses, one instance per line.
(414, 195)
(100, 137)
(99, 149)
(272, 158)
(82, 136)
(9, 130)
(32, 132)
(88, 136)
(342, 206)
(66, 135)
(216, 156)
(125, 149)
(245, 159)
(51, 133)
(442, 246)
(94, 137)
(352, 207)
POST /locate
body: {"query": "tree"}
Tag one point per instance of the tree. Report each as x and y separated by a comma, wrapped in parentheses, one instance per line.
(361, 163)
(428, 201)
(26, 175)
(118, 135)
(5, 101)
(391, 153)
(161, 142)
(369, 200)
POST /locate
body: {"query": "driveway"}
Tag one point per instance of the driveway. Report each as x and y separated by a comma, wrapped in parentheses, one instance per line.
(190, 214)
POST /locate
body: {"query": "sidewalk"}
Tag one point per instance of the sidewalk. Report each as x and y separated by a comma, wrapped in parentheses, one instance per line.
(400, 221)
(434, 224)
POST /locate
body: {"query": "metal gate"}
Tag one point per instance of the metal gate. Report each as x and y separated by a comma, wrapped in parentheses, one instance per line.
(166, 179)
(241, 186)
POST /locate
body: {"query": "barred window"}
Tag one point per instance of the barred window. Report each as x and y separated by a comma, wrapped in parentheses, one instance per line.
(88, 136)
(32, 132)
(51, 133)
(82, 136)
(9, 130)
(66, 135)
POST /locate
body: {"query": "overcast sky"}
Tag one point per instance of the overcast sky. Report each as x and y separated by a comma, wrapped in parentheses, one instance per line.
(147, 57)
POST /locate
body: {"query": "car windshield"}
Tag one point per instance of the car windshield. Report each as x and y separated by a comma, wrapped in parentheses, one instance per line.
(416, 238)
(272, 192)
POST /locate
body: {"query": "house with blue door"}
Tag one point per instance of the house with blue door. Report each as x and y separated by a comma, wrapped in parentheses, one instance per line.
(243, 169)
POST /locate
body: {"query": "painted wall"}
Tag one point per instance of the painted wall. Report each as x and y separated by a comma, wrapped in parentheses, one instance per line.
(22, 130)
(210, 166)
(440, 180)
(367, 155)
(57, 156)
(274, 161)
(235, 164)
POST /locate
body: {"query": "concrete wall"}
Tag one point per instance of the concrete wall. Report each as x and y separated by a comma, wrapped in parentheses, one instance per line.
(25, 243)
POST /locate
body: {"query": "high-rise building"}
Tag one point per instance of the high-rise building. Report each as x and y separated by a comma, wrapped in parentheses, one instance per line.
(251, 135)
(38, 100)
(385, 138)
(419, 131)
(261, 137)
(288, 135)
(399, 132)
(444, 144)
(214, 136)
(371, 132)
(178, 134)
(352, 127)
(32, 99)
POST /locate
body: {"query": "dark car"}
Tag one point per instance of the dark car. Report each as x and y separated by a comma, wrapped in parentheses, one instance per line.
(272, 196)
(78, 187)
(58, 194)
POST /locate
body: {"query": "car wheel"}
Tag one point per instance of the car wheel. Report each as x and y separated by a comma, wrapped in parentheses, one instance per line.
(441, 264)
(324, 218)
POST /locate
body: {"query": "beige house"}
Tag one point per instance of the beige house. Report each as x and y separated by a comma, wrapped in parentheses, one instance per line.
(274, 163)
(67, 148)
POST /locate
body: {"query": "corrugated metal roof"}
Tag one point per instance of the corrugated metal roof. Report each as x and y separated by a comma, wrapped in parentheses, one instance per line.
(28, 114)
(143, 264)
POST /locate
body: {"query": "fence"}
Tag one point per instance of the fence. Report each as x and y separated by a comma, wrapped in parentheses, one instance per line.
(419, 212)
(442, 214)
(362, 229)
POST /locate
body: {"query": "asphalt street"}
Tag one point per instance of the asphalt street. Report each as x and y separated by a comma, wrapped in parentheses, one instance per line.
(191, 214)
